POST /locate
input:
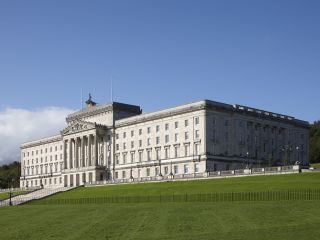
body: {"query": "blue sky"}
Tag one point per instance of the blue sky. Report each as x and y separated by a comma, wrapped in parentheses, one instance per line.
(263, 54)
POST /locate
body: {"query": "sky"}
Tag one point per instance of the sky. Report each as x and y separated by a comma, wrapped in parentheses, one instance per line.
(159, 53)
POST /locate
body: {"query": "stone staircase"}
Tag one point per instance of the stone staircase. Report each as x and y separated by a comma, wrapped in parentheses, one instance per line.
(38, 194)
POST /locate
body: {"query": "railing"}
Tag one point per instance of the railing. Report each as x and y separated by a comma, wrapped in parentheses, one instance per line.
(280, 195)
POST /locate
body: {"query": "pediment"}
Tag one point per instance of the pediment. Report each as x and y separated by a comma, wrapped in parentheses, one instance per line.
(78, 126)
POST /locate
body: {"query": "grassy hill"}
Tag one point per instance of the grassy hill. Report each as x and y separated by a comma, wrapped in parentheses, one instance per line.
(222, 220)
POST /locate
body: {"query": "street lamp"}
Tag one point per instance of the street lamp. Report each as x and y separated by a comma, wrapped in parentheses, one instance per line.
(247, 154)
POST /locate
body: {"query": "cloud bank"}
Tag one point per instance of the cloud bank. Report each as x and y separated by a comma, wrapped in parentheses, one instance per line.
(20, 125)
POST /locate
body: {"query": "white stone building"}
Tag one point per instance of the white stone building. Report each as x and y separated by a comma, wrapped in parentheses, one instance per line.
(117, 142)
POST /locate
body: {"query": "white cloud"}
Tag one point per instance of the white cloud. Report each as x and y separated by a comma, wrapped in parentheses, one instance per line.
(20, 125)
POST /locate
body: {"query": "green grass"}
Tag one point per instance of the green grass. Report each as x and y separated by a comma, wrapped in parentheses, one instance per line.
(241, 184)
(4, 195)
(281, 220)
(315, 165)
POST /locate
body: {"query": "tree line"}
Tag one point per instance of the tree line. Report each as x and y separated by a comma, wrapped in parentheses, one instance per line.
(315, 142)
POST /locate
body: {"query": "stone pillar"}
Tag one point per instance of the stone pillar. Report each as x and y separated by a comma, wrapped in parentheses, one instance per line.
(82, 158)
(70, 154)
(105, 147)
(89, 150)
(64, 154)
(76, 153)
(95, 149)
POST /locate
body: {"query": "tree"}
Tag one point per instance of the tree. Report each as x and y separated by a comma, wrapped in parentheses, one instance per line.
(10, 175)
(315, 142)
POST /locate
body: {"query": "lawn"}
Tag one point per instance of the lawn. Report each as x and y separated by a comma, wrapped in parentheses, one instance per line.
(4, 195)
(315, 165)
(199, 220)
(241, 184)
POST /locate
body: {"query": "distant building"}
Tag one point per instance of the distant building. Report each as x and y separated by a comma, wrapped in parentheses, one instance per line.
(116, 141)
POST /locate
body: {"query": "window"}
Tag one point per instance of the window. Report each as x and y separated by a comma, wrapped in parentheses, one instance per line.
(124, 134)
(149, 130)
(124, 158)
(158, 153)
(176, 125)
(197, 149)
(176, 137)
(196, 120)
(157, 128)
(140, 143)
(167, 153)
(132, 157)
(186, 150)
(124, 146)
(117, 136)
(56, 149)
(123, 174)
(167, 138)
(227, 136)
(140, 131)
(186, 135)
(167, 126)
(176, 151)
(116, 175)
(148, 172)
(149, 155)
(196, 167)
(140, 156)
(166, 170)
(157, 140)
(186, 123)
(226, 123)
(214, 120)
(197, 135)
(175, 169)
(132, 133)
(117, 159)
(117, 147)
(157, 171)
(132, 144)
(149, 141)
(186, 168)
(55, 157)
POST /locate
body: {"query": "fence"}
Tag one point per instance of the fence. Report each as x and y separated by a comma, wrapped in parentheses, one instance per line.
(283, 195)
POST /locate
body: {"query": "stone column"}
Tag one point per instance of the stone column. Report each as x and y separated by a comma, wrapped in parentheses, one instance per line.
(105, 150)
(89, 150)
(70, 154)
(76, 152)
(65, 153)
(95, 150)
(82, 152)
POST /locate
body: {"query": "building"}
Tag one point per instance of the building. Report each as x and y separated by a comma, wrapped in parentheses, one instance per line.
(116, 142)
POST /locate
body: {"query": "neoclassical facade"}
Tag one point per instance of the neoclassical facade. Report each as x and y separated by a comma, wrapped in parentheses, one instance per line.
(117, 141)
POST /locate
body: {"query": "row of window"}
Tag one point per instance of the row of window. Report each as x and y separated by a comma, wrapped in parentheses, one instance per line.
(157, 140)
(157, 156)
(42, 169)
(36, 160)
(166, 170)
(157, 128)
(49, 181)
(45, 150)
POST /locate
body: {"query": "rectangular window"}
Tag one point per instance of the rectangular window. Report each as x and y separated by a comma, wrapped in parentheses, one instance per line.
(186, 123)
(117, 147)
(149, 141)
(124, 146)
(176, 169)
(117, 159)
(197, 134)
(116, 175)
(197, 149)
(117, 136)
(149, 155)
(149, 130)
(176, 125)
(140, 131)
(176, 151)
(132, 157)
(166, 170)
(158, 154)
(186, 150)
(157, 128)
(148, 172)
(186, 168)
(132, 144)
(196, 120)
(186, 136)
(157, 171)
(123, 174)
(140, 156)
(124, 134)
(176, 136)
(124, 158)
(140, 143)
(196, 167)
(167, 153)
(157, 140)
(167, 138)
(226, 123)
(132, 133)
(167, 126)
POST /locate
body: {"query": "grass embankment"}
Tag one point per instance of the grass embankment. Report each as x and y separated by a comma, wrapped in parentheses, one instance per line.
(282, 220)
(4, 195)
(315, 165)
(241, 184)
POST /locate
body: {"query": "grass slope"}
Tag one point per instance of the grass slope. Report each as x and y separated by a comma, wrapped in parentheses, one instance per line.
(283, 220)
(241, 184)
